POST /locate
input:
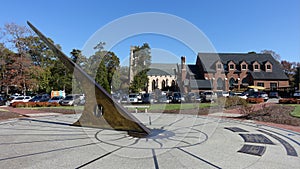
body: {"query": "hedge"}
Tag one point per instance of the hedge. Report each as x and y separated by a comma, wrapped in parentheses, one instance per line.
(34, 104)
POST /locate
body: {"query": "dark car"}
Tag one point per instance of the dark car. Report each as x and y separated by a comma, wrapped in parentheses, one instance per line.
(273, 95)
(56, 99)
(40, 98)
(2, 101)
(147, 98)
(176, 97)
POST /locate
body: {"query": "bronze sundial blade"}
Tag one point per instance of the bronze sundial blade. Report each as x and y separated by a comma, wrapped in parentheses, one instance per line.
(100, 109)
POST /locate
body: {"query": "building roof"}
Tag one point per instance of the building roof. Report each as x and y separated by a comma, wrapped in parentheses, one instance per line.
(194, 71)
(209, 59)
(162, 69)
(200, 84)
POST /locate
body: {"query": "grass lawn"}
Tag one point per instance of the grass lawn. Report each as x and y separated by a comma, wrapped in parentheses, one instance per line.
(296, 112)
(153, 107)
(184, 106)
(58, 107)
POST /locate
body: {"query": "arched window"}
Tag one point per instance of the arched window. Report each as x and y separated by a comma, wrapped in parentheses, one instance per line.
(220, 84)
(156, 83)
(167, 82)
(173, 83)
(163, 84)
(153, 85)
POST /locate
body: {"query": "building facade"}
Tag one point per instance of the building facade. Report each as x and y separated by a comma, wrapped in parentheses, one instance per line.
(232, 71)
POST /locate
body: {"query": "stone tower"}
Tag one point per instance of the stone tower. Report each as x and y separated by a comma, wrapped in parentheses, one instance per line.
(131, 64)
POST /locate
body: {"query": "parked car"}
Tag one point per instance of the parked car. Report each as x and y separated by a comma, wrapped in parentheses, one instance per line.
(124, 99)
(176, 97)
(20, 99)
(209, 96)
(222, 94)
(297, 94)
(117, 98)
(133, 98)
(71, 100)
(163, 99)
(40, 98)
(56, 99)
(2, 101)
(265, 96)
(274, 95)
(147, 98)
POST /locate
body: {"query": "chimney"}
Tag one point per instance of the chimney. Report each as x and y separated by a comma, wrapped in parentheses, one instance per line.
(182, 62)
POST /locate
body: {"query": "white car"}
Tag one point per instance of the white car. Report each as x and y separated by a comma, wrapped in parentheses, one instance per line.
(20, 99)
(133, 98)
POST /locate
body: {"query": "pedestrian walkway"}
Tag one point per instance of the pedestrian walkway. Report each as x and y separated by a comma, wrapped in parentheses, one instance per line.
(176, 141)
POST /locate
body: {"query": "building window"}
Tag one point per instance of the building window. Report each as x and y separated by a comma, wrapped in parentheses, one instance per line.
(219, 66)
(231, 66)
(260, 84)
(153, 85)
(268, 67)
(255, 67)
(273, 86)
(163, 84)
(244, 67)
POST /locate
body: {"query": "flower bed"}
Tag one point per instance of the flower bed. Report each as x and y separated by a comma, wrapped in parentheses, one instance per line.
(34, 104)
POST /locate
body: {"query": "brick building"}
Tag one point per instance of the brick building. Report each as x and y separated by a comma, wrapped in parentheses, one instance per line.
(231, 71)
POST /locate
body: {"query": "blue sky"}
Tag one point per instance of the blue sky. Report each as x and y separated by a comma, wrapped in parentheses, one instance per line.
(230, 25)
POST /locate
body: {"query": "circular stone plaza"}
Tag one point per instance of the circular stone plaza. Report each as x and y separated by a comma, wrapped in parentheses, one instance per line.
(176, 141)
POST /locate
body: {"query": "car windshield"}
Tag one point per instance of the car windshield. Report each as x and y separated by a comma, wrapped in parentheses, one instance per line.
(177, 95)
(132, 96)
(69, 98)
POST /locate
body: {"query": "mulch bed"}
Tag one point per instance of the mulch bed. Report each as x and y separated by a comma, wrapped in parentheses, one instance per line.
(275, 114)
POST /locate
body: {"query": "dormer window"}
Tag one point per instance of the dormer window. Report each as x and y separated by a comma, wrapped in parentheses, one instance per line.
(268, 67)
(244, 65)
(256, 66)
(231, 65)
(219, 66)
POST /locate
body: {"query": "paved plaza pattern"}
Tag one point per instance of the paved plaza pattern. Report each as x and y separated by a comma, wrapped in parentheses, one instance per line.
(176, 141)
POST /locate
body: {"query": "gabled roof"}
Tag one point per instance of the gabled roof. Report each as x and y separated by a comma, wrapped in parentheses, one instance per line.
(194, 71)
(208, 59)
(162, 69)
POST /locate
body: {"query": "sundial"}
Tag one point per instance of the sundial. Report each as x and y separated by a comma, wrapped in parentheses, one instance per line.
(100, 109)
(132, 141)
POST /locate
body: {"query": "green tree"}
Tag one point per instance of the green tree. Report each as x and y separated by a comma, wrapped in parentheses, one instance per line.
(101, 77)
(139, 82)
(105, 73)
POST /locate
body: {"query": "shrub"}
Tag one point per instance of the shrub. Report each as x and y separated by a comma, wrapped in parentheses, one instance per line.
(34, 104)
